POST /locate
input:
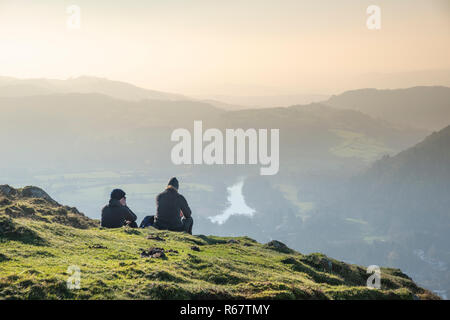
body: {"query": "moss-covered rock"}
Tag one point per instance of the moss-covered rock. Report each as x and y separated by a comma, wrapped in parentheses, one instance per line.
(34, 203)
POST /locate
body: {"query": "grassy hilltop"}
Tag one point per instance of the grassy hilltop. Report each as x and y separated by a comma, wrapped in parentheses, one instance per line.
(40, 239)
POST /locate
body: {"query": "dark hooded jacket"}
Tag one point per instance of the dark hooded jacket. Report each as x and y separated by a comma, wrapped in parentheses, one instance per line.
(114, 215)
(169, 205)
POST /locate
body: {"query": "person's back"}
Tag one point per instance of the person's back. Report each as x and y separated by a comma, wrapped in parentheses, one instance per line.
(169, 207)
(116, 214)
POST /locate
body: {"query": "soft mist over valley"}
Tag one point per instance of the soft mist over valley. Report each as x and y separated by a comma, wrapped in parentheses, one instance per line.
(361, 184)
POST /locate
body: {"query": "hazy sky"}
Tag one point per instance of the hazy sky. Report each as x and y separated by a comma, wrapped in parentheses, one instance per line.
(224, 46)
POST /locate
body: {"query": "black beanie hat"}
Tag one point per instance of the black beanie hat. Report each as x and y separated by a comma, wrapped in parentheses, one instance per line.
(117, 194)
(173, 182)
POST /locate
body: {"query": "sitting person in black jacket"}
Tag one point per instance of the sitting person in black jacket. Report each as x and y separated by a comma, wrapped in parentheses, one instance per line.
(172, 211)
(116, 214)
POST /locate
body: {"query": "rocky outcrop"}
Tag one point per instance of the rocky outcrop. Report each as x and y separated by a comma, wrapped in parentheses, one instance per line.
(26, 192)
(34, 203)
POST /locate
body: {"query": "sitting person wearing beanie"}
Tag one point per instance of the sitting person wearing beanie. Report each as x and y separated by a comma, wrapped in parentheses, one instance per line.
(172, 211)
(116, 214)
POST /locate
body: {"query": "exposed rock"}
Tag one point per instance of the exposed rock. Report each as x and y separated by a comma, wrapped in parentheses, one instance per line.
(34, 203)
(4, 201)
(153, 253)
(158, 255)
(195, 248)
(278, 246)
(26, 192)
(35, 192)
(155, 237)
(7, 190)
(97, 246)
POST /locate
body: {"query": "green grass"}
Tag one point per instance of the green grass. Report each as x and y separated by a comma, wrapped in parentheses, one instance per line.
(357, 145)
(35, 254)
(290, 193)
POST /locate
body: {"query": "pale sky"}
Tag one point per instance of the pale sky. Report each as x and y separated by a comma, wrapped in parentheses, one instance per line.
(224, 46)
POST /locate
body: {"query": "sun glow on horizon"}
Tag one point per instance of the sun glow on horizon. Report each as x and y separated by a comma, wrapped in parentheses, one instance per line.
(255, 47)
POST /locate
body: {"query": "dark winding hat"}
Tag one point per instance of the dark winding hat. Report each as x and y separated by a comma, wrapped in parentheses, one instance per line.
(117, 194)
(173, 182)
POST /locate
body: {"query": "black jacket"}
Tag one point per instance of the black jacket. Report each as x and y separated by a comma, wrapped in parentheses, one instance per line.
(169, 204)
(114, 215)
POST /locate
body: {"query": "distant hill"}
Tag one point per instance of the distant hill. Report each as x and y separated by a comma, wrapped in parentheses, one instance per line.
(420, 107)
(12, 87)
(313, 137)
(429, 159)
(96, 126)
(395, 213)
(224, 105)
(38, 243)
(405, 201)
(264, 101)
(414, 185)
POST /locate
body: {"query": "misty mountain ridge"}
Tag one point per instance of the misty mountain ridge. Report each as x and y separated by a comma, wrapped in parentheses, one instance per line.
(12, 87)
(231, 103)
(391, 105)
(420, 107)
(415, 183)
(397, 212)
(429, 158)
(308, 132)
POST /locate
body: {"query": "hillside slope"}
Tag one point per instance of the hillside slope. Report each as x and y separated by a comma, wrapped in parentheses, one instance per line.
(40, 239)
(395, 213)
(13, 87)
(414, 185)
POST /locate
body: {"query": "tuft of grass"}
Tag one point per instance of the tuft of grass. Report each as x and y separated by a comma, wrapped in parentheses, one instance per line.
(3, 257)
(10, 230)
